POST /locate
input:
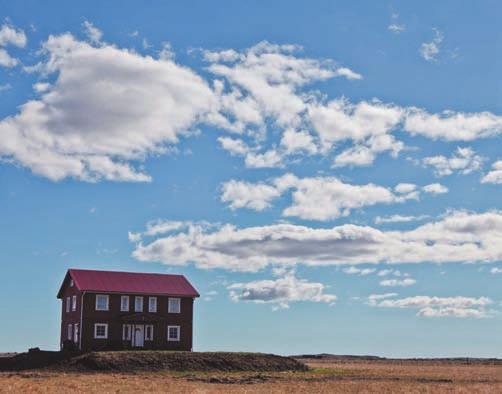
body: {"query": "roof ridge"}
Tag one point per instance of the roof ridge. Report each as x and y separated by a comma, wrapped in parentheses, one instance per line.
(124, 272)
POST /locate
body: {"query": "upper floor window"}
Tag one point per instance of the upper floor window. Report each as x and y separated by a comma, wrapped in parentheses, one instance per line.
(124, 303)
(174, 305)
(102, 302)
(100, 331)
(152, 304)
(138, 304)
(74, 303)
(71, 282)
(68, 303)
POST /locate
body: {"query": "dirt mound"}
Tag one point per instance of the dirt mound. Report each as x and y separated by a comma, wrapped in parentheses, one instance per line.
(32, 360)
(127, 361)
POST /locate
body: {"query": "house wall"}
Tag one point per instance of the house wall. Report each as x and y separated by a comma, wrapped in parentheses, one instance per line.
(72, 317)
(115, 319)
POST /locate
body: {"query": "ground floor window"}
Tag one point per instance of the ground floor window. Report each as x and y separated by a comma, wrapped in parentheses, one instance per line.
(126, 332)
(173, 333)
(101, 331)
(75, 333)
(149, 332)
(69, 332)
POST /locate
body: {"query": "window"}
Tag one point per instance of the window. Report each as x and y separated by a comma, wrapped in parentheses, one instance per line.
(71, 282)
(74, 303)
(67, 304)
(126, 332)
(152, 304)
(101, 331)
(101, 302)
(149, 332)
(124, 304)
(174, 305)
(173, 333)
(69, 334)
(138, 304)
(75, 333)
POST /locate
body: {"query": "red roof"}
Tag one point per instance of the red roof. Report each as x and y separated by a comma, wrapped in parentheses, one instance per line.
(131, 282)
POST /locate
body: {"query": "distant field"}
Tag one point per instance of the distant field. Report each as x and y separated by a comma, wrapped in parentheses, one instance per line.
(325, 376)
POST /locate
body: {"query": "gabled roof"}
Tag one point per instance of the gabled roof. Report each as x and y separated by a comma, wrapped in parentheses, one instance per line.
(130, 282)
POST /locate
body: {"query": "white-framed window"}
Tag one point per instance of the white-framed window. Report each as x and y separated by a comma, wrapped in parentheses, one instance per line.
(173, 333)
(126, 332)
(124, 303)
(102, 302)
(152, 304)
(74, 303)
(100, 330)
(149, 332)
(174, 305)
(138, 304)
(75, 333)
(68, 304)
(71, 282)
(69, 332)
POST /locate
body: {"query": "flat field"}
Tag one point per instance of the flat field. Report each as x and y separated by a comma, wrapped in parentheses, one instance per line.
(325, 376)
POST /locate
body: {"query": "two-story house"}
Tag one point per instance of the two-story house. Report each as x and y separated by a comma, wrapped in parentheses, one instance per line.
(120, 310)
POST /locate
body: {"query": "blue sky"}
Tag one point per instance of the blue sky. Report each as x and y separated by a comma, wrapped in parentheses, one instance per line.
(328, 176)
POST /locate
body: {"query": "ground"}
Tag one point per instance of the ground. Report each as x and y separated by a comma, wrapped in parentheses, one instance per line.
(325, 376)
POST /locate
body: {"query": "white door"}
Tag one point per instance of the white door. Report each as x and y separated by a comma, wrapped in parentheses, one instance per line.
(139, 335)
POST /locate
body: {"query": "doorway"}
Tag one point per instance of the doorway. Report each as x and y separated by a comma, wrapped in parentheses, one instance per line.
(139, 335)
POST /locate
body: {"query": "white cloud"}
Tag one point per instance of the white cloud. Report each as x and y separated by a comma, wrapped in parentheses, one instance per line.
(496, 270)
(398, 282)
(268, 159)
(396, 28)
(255, 196)
(347, 73)
(390, 271)
(403, 188)
(430, 50)
(435, 188)
(359, 271)
(457, 237)
(399, 218)
(494, 175)
(281, 292)
(462, 307)
(451, 125)
(319, 198)
(107, 108)
(463, 161)
(93, 33)
(9, 35)
(5, 86)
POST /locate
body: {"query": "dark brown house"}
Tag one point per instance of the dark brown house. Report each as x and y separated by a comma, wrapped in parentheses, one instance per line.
(121, 310)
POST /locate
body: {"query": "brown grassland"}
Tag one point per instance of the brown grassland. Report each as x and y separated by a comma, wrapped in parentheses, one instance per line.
(325, 376)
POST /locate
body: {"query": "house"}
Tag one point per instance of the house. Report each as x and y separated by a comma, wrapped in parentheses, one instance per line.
(125, 310)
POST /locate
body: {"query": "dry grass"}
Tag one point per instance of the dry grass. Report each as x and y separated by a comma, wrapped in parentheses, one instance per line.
(325, 377)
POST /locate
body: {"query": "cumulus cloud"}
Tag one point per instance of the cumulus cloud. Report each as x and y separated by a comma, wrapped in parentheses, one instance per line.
(318, 198)
(435, 188)
(396, 28)
(107, 108)
(430, 50)
(463, 161)
(281, 292)
(451, 125)
(399, 218)
(494, 175)
(461, 307)
(359, 271)
(457, 237)
(9, 35)
(93, 33)
(397, 282)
